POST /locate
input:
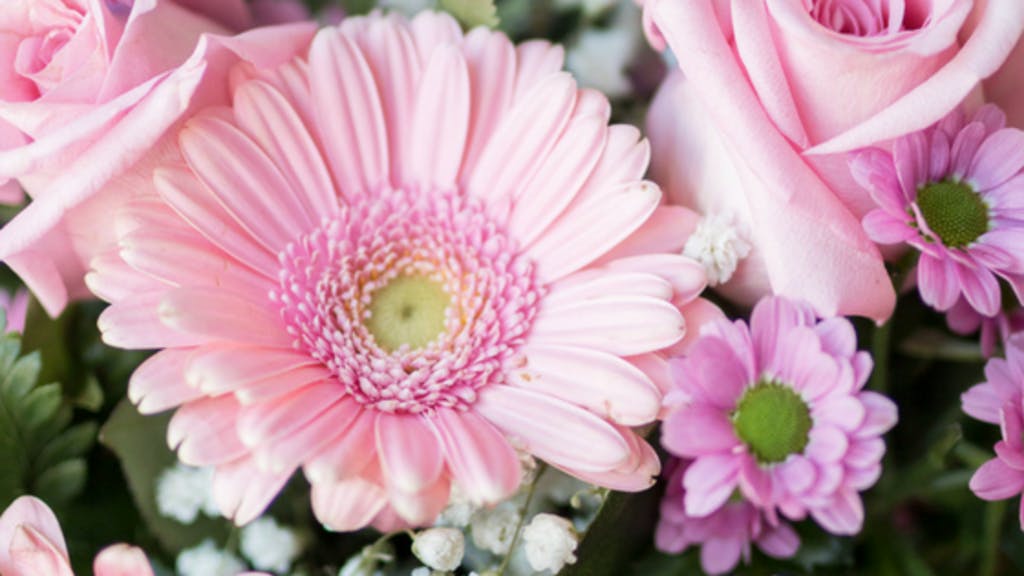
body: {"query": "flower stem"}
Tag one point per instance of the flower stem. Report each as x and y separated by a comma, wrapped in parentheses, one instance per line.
(541, 468)
(881, 348)
(994, 513)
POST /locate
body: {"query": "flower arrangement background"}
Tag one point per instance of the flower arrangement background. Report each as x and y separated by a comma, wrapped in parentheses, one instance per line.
(385, 287)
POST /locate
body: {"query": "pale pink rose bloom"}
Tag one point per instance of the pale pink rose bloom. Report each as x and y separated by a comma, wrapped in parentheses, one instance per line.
(394, 263)
(998, 401)
(31, 544)
(725, 536)
(777, 91)
(87, 89)
(778, 411)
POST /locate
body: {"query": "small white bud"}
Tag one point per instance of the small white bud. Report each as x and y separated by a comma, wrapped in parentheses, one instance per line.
(440, 548)
(549, 542)
(493, 529)
(459, 510)
(719, 244)
(269, 546)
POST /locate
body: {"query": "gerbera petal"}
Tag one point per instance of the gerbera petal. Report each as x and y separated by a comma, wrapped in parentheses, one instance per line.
(272, 122)
(349, 113)
(491, 60)
(602, 383)
(203, 432)
(482, 462)
(264, 422)
(111, 279)
(243, 491)
(598, 283)
(288, 451)
(618, 325)
(230, 368)
(347, 505)
(25, 512)
(636, 474)
(440, 121)
(198, 207)
(423, 507)
(244, 181)
(563, 172)
(30, 552)
(410, 453)
(122, 560)
(524, 137)
(536, 60)
(348, 454)
(135, 324)
(686, 276)
(664, 233)
(159, 383)
(222, 315)
(553, 430)
(590, 229)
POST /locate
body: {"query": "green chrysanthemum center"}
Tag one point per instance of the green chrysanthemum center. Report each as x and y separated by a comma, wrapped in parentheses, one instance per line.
(773, 421)
(408, 311)
(954, 211)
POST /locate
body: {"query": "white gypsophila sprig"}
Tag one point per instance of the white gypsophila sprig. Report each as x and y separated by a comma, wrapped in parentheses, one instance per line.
(493, 529)
(719, 243)
(183, 491)
(549, 542)
(269, 546)
(440, 548)
(207, 559)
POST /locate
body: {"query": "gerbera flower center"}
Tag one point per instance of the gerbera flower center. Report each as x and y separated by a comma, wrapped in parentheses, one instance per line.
(409, 311)
(953, 211)
(413, 300)
(773, 421)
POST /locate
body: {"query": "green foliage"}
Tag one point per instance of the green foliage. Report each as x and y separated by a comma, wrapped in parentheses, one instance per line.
(139, 443)
(42, 452)
(472, 13)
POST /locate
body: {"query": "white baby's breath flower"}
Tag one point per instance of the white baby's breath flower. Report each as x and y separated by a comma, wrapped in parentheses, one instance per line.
(458, 511)
(440, 548)
(599, 59)
(549, 542)
(493, 529)
(269, 546)
(719, 243)
(207, 559)
(182, 491)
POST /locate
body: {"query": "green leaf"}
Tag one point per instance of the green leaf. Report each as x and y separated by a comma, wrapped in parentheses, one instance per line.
(139, 442)
(472, 13)
(621, 529)
(40, 454)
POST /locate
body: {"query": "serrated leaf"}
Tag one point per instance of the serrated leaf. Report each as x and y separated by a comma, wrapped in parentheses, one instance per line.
(62, 482)
(34, 417)
(472, 13)
(139, 443)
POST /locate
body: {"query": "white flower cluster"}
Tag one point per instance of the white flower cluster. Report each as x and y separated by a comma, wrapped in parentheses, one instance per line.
(550, 542)
(183, 491)
(719, 244)
(269, 546)
(207, 559)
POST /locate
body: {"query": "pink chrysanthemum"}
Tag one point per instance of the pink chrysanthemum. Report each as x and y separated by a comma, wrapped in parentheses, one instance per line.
(998, 401)
(955, 192)
(395, 263)
(725, 536)
(963, 319)
(778, 411)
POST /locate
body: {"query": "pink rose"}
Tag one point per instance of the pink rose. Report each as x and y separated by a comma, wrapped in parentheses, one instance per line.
(777, 92)
(88, 89)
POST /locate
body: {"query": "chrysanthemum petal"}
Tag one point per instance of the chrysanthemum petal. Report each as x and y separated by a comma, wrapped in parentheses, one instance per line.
(938, 282)
(999, 158)
(995, 480)
(553, 430)
(698, 430)
(709, 482)
(843, 516)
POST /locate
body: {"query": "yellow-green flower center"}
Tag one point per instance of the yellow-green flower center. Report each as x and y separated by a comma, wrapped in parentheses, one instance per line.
(408, 311)
(773, 421)
(954, 211)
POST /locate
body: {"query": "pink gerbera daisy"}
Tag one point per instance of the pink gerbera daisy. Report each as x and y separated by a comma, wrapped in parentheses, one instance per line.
(778, 411)
(395, 263)
(954, 192)
(725, 536)
(998, 401)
